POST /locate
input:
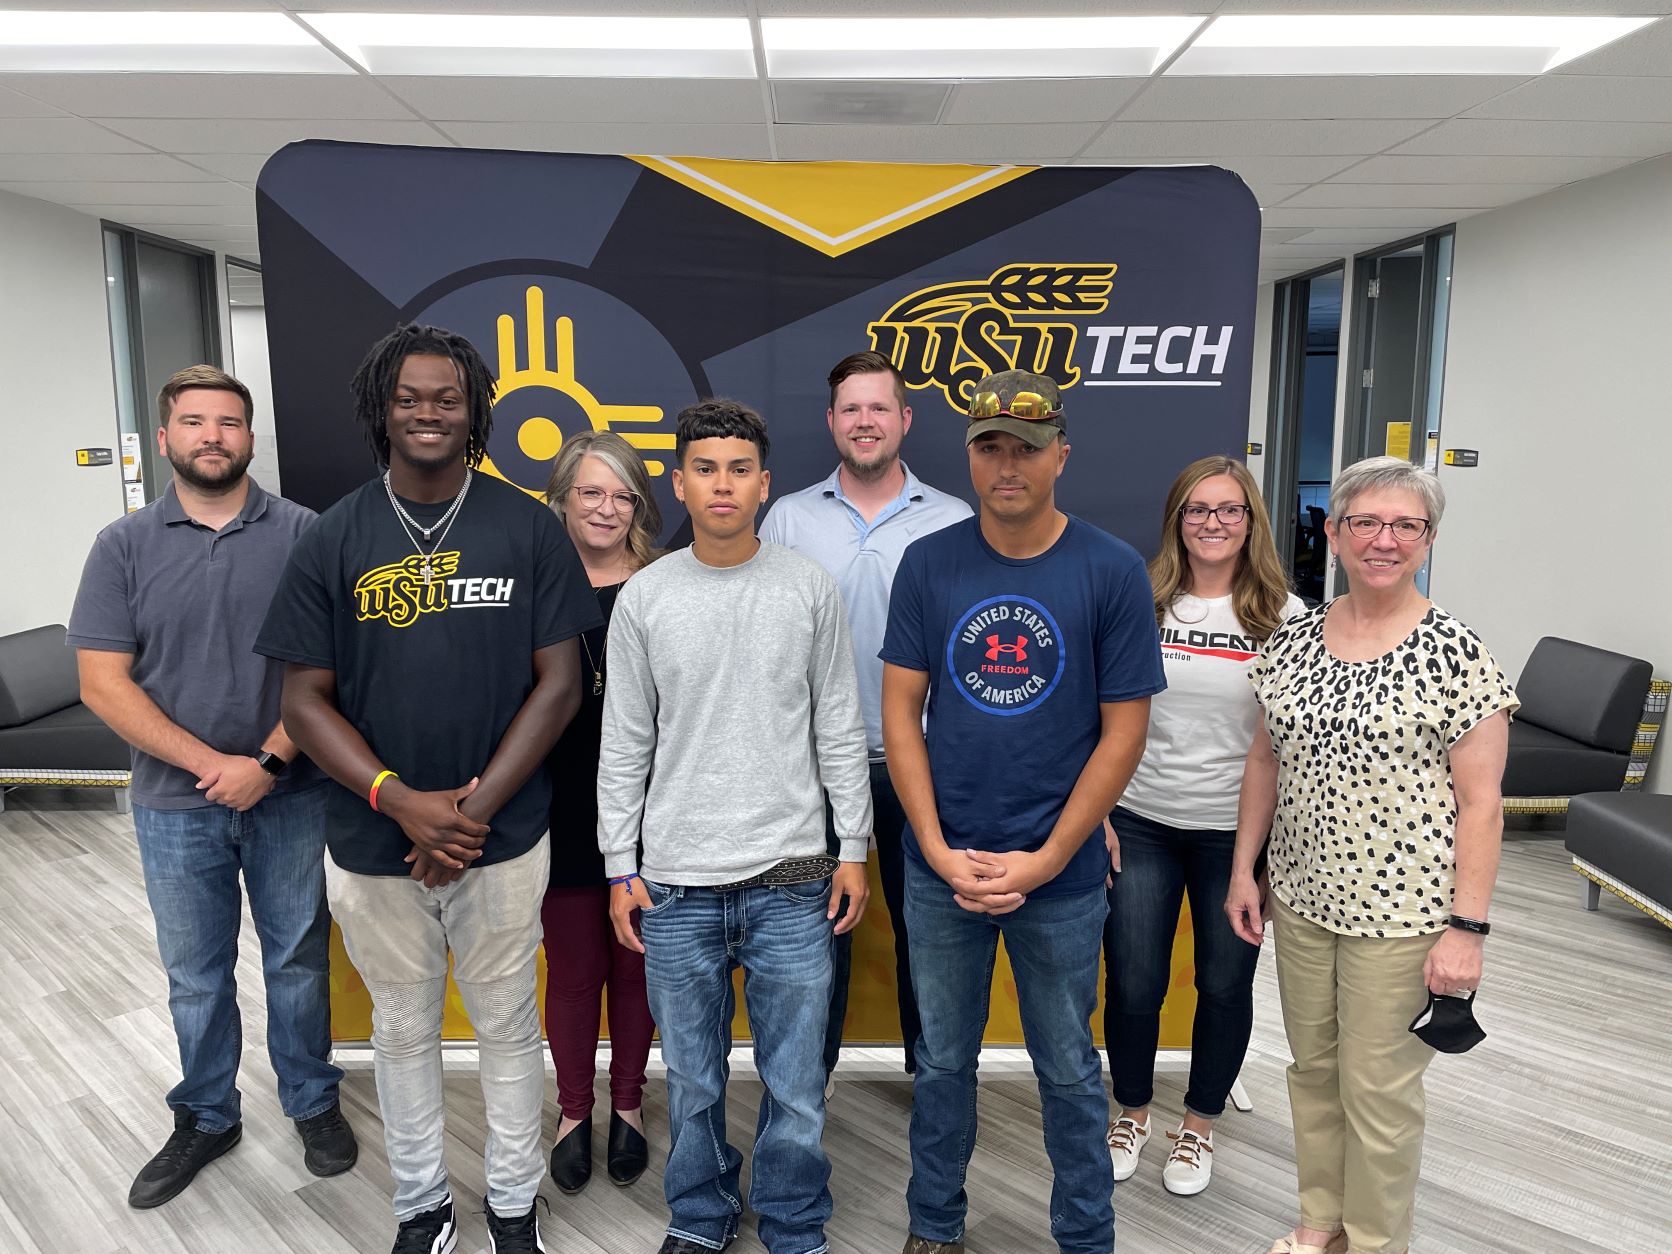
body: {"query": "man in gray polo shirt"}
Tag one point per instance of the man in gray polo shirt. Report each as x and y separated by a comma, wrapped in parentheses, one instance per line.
(856, 524)
(163, 627)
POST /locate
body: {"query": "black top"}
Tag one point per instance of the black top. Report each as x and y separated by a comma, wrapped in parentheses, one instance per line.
(430, 673)
(576, 862)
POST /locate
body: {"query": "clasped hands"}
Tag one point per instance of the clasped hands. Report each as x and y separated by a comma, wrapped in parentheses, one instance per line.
(992, 883)
(445, 838)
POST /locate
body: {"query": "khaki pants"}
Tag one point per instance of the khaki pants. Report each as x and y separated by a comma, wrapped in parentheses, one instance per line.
(1355, 1087)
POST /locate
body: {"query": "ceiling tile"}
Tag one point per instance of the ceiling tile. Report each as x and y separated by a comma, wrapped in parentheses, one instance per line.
(18, 104)
(1647, 51)
(857, 102)
(1358, 238)
(212, 95)
(1188, 98)
(1160, 139)
(1356, 217)
(668, 139)
(188, 135)
(1443, 168)
(170, 215)
(62, 135)
(86, 194)
(1052, 100)
(478, 99)
(1486, 136)
(1266, 169)
(138, 167)
(241, 167)
(1423, 195)
(1029, 144)
(1586, 97)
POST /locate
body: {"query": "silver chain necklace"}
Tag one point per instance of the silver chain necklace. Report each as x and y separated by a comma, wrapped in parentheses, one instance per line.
(444, 524)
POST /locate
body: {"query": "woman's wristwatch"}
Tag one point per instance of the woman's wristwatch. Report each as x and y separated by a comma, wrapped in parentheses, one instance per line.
(1480, 927)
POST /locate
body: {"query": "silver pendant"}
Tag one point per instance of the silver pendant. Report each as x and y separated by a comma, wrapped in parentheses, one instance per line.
(425, 567)
(597, 683)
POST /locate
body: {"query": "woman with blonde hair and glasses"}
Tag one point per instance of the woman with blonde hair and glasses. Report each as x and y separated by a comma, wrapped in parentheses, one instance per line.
(600, 488)
(1220, 591)
(1376, 771)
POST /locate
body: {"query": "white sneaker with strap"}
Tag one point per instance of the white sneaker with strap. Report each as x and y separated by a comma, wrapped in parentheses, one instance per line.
(1190, 1165)
(1127, 1138)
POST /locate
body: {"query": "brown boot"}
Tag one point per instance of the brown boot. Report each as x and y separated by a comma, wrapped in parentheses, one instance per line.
(922, 1245)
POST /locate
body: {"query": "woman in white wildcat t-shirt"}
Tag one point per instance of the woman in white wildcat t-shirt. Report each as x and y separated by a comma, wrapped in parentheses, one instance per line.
(1220, 590)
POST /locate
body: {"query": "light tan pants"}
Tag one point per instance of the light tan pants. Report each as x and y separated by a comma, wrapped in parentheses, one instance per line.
(1355, 1087)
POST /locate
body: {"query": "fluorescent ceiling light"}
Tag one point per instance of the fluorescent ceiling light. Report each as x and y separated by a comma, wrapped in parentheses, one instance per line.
(590, 47)
(1396, 44)
(62, 42)
(997, 47)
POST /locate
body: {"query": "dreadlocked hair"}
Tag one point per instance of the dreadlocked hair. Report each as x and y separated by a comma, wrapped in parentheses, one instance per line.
(374, 383)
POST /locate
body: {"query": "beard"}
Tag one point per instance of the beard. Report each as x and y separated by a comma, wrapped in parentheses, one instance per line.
(207, 481)
(869, 472)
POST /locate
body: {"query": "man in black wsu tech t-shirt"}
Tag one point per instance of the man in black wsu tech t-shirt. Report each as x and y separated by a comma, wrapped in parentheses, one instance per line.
(428, 622)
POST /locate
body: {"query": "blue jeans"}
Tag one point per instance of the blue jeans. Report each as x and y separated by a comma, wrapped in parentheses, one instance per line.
(1052, 943)
(693, 939)
(1159, 864)
(191, 860)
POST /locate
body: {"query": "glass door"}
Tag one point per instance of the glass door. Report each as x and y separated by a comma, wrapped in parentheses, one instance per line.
(1300, 431)
(1402, 302)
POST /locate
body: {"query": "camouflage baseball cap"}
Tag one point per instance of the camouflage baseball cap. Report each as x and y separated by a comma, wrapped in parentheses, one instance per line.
(1025, 405)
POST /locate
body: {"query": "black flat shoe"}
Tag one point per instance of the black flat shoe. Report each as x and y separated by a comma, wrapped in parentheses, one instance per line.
(628, 1154)
(572, 1158)
(178, 1162)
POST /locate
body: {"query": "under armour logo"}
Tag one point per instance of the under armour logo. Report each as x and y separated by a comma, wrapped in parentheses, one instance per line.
(996, 650)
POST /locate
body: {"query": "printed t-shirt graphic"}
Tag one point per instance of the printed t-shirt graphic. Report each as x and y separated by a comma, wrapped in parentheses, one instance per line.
(430, 671)
(1021, 653)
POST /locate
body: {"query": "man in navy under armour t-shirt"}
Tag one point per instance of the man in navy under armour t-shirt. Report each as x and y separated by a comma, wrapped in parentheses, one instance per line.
(1031, 635)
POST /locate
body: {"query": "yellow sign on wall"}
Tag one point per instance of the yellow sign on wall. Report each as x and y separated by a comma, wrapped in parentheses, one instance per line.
(873, 1016)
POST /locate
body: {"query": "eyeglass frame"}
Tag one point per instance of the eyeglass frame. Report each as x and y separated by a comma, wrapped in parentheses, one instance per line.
(1007, 409)
(1390, 527)
(1214, 510)
(634, 500)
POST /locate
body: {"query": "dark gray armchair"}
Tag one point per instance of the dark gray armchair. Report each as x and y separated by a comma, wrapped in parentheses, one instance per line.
(47, 736)
(1587, 723)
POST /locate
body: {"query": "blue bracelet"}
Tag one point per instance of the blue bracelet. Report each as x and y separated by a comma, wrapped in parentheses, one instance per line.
(624, 879)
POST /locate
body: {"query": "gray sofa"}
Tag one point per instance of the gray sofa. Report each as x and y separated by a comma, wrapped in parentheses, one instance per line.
(1623, 842)
(47, 736)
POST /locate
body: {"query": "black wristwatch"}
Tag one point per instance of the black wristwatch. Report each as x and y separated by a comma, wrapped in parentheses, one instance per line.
(1480, 927)
(270, 762)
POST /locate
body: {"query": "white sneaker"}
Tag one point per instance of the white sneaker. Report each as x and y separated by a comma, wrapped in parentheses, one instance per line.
(1127, 1138)
(1190, 1165)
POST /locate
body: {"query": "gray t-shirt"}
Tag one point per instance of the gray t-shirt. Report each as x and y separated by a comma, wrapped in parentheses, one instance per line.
(731, 708)
(187, 603)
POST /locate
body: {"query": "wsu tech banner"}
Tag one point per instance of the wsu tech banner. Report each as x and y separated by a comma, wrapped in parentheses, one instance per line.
(608, 292)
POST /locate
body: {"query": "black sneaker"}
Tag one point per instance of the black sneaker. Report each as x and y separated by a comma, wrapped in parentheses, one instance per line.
(513, 1236)
(182, 1155)
(328, 1144)
(432, 1232)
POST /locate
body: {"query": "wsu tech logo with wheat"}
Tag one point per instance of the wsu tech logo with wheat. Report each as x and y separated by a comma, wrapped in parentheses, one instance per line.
(1032, 316)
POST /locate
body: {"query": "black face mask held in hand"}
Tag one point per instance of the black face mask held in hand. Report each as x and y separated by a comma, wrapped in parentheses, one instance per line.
(1448, 1024)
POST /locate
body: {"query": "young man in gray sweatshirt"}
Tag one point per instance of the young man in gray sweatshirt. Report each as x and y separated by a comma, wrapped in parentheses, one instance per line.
(732, 709)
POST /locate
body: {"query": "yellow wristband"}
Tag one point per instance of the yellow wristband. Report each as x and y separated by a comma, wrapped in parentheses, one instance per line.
(371, 797)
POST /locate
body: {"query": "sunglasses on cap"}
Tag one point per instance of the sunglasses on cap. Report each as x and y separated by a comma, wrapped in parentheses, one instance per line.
(1029, 406)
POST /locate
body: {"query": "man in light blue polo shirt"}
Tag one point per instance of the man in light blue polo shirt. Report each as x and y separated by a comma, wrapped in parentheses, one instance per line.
(856, 524)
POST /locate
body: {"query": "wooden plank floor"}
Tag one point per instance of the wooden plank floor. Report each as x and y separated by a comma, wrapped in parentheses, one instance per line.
(1552, 1138)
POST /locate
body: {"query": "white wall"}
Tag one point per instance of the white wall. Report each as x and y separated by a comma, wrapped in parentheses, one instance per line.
(55, 354)
(1556, 370)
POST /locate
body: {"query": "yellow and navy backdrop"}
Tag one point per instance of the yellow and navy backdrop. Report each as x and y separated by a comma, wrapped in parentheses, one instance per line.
(610, 291)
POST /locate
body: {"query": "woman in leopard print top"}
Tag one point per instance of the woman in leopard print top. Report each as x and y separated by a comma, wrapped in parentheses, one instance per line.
(1377, 775)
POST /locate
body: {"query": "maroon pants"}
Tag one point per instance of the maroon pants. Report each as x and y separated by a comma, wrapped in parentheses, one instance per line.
(582, 956)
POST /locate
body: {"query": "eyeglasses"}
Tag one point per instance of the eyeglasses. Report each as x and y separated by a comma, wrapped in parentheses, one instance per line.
(592, 498)
(1368, 527)
(1029, 406)
(1228, 515)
